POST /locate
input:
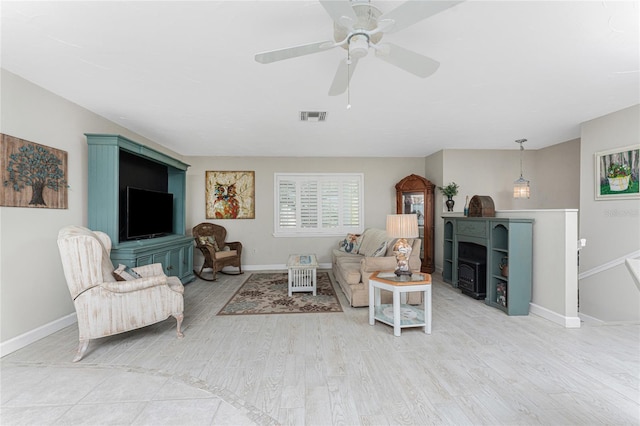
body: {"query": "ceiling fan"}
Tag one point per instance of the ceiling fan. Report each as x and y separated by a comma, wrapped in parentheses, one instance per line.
(358, 26)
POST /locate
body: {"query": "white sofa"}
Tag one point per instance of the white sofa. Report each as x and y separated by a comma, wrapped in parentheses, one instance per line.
(375, 253)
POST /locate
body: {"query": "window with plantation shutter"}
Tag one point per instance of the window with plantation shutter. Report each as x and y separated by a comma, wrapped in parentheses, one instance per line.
(318, 204)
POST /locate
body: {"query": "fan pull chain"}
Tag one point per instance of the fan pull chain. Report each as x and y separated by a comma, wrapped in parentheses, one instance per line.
(348, 80)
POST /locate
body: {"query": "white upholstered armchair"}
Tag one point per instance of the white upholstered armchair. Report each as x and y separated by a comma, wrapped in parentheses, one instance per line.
(105, 306)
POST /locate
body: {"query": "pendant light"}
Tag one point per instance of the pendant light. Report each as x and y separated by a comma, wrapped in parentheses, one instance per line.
(521, 186)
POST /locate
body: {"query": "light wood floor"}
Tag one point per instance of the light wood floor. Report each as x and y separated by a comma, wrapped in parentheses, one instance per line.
(479, 366)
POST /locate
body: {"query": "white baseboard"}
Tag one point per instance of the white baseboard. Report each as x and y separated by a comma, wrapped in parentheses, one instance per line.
(566, 322)
(263, 267)
(36, 334)
(590, 320)
(280, 267)
(587, 319)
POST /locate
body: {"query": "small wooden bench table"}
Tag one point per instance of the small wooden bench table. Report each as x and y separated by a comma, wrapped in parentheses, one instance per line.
(302, 273)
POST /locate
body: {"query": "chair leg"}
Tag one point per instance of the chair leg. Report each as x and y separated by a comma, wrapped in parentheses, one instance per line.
(179, 318)
(82, 348)
(199, 275)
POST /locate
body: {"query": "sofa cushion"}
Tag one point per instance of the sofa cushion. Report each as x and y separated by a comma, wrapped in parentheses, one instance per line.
(350, 268)
(371, 240)
(226, 253)
(337, 253)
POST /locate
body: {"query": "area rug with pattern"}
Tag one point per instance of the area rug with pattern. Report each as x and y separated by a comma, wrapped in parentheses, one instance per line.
(267, 293)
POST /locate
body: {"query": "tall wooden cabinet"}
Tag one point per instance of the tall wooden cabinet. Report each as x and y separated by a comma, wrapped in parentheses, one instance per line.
(507, 241)
(415, 194)
(110, 156)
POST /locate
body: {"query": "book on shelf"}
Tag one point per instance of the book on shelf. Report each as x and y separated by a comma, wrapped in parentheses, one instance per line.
(501, 293)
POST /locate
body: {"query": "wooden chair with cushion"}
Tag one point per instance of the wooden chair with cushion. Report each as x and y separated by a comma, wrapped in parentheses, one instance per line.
(218, 253)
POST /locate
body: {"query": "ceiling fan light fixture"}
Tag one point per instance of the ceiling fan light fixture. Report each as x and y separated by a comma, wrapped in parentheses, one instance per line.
(358, 45)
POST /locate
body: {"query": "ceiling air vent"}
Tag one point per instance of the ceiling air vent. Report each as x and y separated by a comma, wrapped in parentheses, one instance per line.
(313, 115)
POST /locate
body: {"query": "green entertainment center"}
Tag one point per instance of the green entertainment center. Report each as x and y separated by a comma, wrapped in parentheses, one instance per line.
(115, 163)
(508, 253)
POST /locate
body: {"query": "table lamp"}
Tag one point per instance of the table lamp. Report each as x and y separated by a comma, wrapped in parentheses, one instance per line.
(402, 226)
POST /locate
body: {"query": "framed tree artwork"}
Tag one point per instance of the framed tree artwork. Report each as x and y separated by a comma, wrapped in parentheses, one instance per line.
(33, 175)
(230, 195)
(616, 173)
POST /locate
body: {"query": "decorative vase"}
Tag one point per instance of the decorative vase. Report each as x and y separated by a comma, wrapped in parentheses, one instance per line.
(504, 271)
(619, 183)
(449, 204)
(504, 267)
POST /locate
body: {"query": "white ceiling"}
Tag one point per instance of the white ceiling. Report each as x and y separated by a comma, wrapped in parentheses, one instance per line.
(183, 74)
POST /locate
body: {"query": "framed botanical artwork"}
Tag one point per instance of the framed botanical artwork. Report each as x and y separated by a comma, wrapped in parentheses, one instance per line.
(616, 173)
(33, 175)
(230, 195)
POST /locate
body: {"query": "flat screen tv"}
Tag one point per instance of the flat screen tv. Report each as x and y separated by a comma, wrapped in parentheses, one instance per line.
(149, 213)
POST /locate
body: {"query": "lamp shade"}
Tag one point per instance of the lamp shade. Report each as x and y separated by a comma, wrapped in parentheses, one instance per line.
(521, 188)
(402, 225)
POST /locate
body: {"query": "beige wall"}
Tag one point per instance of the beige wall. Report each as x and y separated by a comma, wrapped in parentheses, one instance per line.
(489, 172)
(33, 292)
(260, 249)
(611, 227)
(558, 176)
(492, 172)
(553, 172)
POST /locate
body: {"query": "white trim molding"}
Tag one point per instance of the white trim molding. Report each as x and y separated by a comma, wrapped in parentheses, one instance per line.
(279, 267)
(36, 334)
(566, 322)
(611, 264)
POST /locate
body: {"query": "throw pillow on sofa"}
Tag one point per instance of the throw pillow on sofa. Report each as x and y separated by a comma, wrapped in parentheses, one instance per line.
(382, 250)
(351, 243)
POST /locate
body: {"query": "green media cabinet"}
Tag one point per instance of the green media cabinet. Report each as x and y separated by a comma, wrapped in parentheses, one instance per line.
(115, 161)
(504, 239)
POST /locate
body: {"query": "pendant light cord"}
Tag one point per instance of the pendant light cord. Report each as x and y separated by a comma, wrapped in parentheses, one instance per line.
(521, 149)
(521, 141)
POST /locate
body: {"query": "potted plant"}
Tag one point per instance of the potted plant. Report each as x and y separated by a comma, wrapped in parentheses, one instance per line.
(618, 176)
(449, 191)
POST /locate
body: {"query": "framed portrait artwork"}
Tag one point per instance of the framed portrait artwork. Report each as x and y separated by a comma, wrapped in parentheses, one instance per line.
(616, 173)
(230, 195)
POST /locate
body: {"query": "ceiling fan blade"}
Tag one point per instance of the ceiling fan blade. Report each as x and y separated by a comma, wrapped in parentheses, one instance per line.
(410, 12)
(408, 60)
(342, 77)
(340, 11)
(293, 52)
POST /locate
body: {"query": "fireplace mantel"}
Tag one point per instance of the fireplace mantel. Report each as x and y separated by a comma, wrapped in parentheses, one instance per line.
(503, 237)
